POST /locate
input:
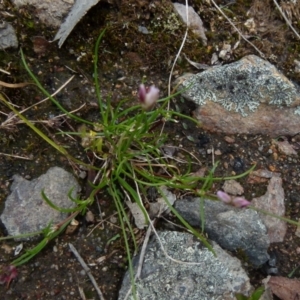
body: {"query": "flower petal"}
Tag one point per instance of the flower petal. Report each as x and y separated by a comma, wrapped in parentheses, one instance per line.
(224, 197)
(151, 96)
(240, 202)
(142, 93)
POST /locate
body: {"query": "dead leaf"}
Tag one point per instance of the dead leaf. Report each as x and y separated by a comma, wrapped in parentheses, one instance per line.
(79, 9)
(284, 288)
(196, 64)
(137, 213)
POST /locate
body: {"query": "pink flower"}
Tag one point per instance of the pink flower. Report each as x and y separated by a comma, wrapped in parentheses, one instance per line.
(7, 274)
(234, 201)
(240, 202)
(148, 96)
(224, 197)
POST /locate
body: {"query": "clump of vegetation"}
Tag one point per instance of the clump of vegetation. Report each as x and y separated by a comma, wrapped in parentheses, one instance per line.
(126, 153)
(126, 145)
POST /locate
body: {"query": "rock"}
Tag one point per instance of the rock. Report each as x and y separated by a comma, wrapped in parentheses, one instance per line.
(49, 12)
(285, 147)
(283, 288)
(297, 233)
(232, 228)
(200, 275)
(226, 52)
(26, 211)
(273, 202)
(248, 96)
(8, 38)
(233, 187)
(195, 22)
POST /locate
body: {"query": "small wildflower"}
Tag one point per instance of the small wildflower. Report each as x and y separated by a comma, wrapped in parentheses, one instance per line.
(240, 202)
(234, 201)
(7, 274)
(224, 197)
(148, 96)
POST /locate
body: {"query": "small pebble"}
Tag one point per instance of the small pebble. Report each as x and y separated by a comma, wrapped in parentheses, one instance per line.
(82, 272)
(229, 140)
(218, 152)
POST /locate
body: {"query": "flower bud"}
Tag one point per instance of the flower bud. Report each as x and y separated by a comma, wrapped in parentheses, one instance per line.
(234, 201)
(148, 96)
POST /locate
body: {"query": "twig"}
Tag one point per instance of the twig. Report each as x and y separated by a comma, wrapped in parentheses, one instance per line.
(5, 72)
(100, 223)
(176, 57)
(87, 270)
(141, 259)
(35, 104)
(181, 46)
(16, 156)
(237, 30)
(286, 19)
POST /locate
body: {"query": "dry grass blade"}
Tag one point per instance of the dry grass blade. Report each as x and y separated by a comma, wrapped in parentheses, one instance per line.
(16, 156)
(237, 30)
(5, 72)
(286, 19)
(87, 270)
(15, 85)
(12, 117)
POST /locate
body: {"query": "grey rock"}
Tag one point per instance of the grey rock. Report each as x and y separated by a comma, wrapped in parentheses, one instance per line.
(195, 22)
(248, 96)
(26, 211)
(51, 12)
(232, 228)
(8, 38)
(201, 275)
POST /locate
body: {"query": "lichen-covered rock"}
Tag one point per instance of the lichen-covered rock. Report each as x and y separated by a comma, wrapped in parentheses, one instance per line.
(248, 96)
(197, 274)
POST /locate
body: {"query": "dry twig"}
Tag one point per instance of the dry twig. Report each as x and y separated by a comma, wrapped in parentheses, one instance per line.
(16, 156)
(87, 270)
(286, 19)
(237, 30)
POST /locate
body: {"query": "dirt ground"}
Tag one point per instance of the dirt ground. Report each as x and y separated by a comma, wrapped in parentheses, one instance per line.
(126, 57)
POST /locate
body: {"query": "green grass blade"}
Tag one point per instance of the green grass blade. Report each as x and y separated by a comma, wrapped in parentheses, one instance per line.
(48, 94)
(96, 77)
(187, 225)
(122, 214)
(61, 209)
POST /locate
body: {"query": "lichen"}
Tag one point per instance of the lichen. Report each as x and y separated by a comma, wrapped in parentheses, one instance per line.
(241, 86)
(297, 111)
(167, 20)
